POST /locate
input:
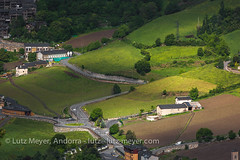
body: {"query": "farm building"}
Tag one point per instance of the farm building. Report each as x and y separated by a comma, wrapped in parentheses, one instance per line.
(53, 54)
(164, 110)
(23, 69)
(11, 107)
(138, 152)
(181, 100)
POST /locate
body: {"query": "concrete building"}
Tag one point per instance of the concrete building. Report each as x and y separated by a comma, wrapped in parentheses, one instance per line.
(21, 70)
(163, 110)
(53, 54)
(181, 100)
(36, 47)
(138, 152)
(12, 9)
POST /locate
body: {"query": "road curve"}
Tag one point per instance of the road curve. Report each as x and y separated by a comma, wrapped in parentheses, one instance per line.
(103, 77)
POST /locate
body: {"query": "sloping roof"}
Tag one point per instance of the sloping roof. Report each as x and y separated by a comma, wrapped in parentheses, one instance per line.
(54, 52)
(13, 105)
(187, 104)
(32, 64)
(172, 106)
(36, 44)
(184, 98)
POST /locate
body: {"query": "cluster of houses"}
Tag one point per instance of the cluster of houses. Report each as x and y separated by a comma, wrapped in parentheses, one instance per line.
(45, 55)
(9, 106)
(182, 104)
(138, 152)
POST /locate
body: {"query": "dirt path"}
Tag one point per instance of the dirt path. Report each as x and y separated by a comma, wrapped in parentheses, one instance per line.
(34, 96)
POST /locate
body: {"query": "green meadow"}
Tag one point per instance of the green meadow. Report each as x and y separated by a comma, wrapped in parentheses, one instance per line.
(188, 21)
(57, 88)
(233, 40)
(149, 95)
(24, 129)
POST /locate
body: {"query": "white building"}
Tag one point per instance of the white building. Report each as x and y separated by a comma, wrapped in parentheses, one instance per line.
(152, 118)
(50, 55)
(21, 70)
(181, 100)
(163, 110)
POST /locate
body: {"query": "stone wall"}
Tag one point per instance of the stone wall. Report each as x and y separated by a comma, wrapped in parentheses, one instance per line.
(63, 129)
(175, 147)
(11, 46)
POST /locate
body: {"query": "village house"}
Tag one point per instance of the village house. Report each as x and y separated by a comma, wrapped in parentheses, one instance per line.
(23, 69)
(53, 55)
(138, 152)
(11, 107)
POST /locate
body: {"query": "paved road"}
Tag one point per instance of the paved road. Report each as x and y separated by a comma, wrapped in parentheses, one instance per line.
(225, 64)
(102, 77)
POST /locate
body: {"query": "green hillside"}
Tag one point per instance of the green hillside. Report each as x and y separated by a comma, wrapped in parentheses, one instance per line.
(233, 40)
(213, 75)
(188, 20)
(25, 129)
(57, 87)
(150, 94)
(115, 57)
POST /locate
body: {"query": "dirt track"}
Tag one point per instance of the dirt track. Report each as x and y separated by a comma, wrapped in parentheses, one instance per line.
(92, 37)
(221, 114)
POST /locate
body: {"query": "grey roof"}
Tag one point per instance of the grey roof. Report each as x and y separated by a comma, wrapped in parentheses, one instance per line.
(36, 44)
(187, 104)
(184, 98)
(172, 106)
(134, 147)
(13, 105)
(54, 52)
(32, 64)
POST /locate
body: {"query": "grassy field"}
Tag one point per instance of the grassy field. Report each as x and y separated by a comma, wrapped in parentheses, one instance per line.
(188, 20)
(115, 57)
(57, 87)
(211, 74)
(232, 40)
(25, 129)
(162, 55)
(147, 95)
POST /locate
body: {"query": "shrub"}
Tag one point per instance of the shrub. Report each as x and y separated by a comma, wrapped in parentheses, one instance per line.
(95, 114)
(239, 133)
(116, 89)
(120, 132)
(204, 134)
(104, 40)
(132, 88)
(231, 135)
(164, 92)
(142, 67)
(130, 136)
(193, 93)
(158, 42)
(200, 52)
(220, 138)
(93, 46)
(114, 129)
(170, 40)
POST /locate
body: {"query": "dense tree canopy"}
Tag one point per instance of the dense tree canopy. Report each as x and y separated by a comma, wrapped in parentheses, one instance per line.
(96, 113)
(204, 134)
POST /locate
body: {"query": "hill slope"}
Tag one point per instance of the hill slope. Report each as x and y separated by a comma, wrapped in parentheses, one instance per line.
(188, 20)
(233, 40)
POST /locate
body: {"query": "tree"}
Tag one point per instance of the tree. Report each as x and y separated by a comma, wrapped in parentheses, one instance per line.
(141, 112)
(1, 67)
(2, 133)
(164, 92)
(121, 32)
(193, 93)
(132, 88)
(170, 40)
(116, 89)
(95, 114)
(200, 52)
(158, 42)
(32, 57)
(21, 51)
(148, 10)
(204, 134)
(114, 129)
(142, 67)
(222, 11)
(231, 135)
(172, 7)
(120, 132)
(130, 136)
(68, 47)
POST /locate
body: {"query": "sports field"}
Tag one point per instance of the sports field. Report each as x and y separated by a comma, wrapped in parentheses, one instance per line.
(24, 129)
(58, 87)
(188, 21)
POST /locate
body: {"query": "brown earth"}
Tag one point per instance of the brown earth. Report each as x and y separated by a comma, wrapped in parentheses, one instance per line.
(221, 114)
(92, 37)
(213, 151)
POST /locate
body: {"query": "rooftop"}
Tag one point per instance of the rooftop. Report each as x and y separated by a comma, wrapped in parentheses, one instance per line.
(172, 106)
(54, 52)
(184, 98)
(36, 44)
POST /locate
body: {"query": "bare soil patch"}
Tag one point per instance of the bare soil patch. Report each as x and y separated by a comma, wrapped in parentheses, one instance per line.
(216, 150)
(89, 38)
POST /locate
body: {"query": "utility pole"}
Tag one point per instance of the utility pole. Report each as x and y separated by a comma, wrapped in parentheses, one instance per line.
(177, 35)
